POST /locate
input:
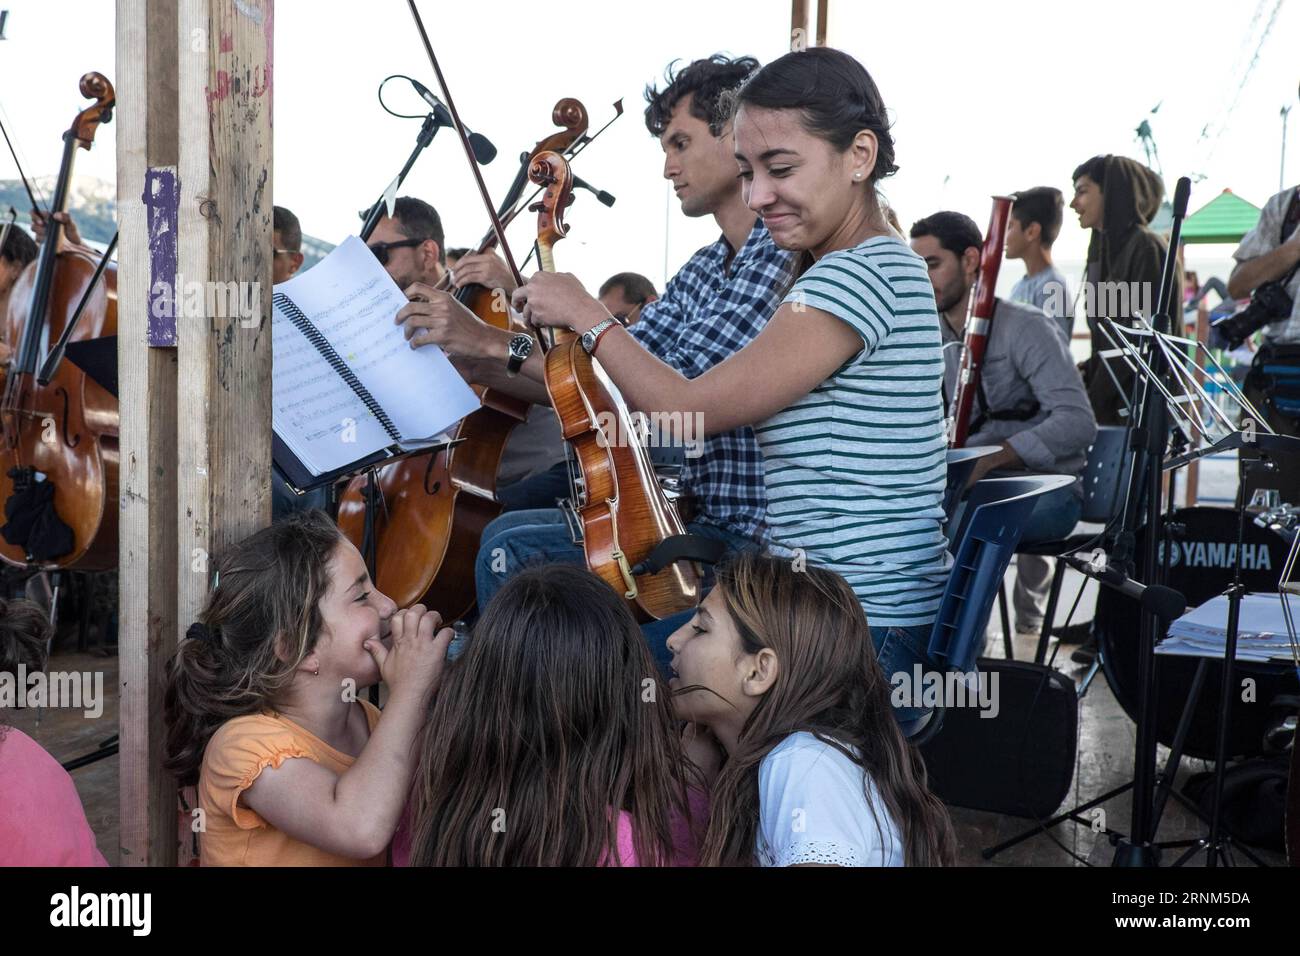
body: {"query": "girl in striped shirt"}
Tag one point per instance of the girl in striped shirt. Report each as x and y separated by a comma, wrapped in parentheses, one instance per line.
(842, 386)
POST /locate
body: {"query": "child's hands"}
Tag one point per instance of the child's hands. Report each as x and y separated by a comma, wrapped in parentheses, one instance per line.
(414, 663)
(703, 750)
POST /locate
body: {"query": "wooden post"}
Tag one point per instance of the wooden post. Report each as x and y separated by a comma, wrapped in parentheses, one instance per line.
(224, 395)
(145, 81)
(798, 24)
(800, 19)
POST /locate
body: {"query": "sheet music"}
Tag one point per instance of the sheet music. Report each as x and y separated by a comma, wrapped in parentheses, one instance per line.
(353, 301)
(1203, 631)
(314, 412)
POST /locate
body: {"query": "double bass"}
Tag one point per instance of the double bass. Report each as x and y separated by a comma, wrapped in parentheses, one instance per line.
(431, 509)
(59, 440)
(619, 502)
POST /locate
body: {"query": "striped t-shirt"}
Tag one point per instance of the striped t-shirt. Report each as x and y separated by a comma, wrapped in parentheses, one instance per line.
(855, 470)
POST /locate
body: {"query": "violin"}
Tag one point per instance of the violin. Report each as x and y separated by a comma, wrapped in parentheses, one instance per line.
(431, 509)
(67, 429)
(618, 501)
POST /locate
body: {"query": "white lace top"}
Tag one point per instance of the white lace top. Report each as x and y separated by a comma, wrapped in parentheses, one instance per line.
(813, 809)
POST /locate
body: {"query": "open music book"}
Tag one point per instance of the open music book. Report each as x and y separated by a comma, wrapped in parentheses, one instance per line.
(346, 386)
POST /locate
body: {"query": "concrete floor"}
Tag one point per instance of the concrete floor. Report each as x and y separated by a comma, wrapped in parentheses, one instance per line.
(1105, 760)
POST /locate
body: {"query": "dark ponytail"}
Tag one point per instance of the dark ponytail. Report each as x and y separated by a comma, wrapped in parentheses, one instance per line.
(260, 621)
(833, 92)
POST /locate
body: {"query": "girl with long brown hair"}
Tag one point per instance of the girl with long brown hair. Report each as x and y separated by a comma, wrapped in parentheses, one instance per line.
(551, 741)
(778, 663)
(263, 708)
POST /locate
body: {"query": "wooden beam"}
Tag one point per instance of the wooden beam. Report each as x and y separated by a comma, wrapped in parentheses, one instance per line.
(224, 398)
(146, 139)
(823, 14)
(799, 24)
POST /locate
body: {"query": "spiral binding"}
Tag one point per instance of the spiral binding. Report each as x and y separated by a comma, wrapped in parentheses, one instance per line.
(322, 345)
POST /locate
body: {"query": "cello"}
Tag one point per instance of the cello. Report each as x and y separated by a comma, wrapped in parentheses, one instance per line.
(619, 502)
(431, 508)
(59, 440)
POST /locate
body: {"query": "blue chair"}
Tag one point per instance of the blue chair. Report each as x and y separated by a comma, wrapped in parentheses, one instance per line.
(961, 462)
(1105, 476)
(990, 529)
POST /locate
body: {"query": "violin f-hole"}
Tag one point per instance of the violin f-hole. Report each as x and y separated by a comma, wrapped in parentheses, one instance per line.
(428, 470)
(76, 439)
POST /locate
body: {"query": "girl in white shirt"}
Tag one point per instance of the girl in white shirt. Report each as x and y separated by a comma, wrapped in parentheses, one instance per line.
(779, 665)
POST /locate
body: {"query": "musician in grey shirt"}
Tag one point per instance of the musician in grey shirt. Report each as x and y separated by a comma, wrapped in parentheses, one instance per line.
(1031, 404)
(1034, 225)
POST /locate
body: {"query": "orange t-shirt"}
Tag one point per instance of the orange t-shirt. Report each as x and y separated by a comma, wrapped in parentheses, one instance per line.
(240, 750)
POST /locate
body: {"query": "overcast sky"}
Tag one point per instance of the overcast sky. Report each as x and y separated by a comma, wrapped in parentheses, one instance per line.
(986, 98)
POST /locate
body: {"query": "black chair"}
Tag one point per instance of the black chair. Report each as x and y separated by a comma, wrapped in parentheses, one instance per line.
(1104, 476)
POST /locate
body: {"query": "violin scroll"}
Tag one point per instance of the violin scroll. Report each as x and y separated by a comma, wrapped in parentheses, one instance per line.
(550, 171)
(97, 87)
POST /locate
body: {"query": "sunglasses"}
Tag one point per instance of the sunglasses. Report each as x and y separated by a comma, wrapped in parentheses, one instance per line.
(380, 249)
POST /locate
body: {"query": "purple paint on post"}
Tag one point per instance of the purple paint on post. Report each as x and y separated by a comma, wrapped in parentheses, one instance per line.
(162, 200)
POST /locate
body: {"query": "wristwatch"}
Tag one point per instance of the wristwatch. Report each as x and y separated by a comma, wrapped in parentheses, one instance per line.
(521, 346)
(593, 334)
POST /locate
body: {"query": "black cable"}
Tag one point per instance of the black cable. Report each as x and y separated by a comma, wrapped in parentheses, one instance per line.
(380, 93)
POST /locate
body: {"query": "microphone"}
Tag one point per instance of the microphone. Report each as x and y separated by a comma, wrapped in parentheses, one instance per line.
(600, 194)
(1167, 603)
(484, 151)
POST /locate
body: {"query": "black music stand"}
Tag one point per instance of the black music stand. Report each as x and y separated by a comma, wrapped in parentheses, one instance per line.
(1166, 370)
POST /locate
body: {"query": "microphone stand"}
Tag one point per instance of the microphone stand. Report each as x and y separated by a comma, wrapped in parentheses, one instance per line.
(422, 141)
(428, 130)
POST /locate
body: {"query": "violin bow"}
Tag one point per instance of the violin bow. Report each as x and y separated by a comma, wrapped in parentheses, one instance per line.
(469, 150)
(21, 175)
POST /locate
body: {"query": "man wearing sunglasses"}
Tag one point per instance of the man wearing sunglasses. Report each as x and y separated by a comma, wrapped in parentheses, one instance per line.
(626, 294)
(411, 246)
(286, 245)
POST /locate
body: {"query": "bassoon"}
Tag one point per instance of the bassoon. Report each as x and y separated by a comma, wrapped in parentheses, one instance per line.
(979, 322)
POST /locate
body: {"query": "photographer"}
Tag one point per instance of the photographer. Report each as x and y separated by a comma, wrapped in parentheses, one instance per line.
(1268, 270)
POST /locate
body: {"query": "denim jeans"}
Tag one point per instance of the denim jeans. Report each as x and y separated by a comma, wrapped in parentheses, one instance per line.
(541, 490)
(520, 539)
(898, 651)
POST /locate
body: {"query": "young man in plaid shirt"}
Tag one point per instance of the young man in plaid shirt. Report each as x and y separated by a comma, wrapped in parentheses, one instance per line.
(711, 308)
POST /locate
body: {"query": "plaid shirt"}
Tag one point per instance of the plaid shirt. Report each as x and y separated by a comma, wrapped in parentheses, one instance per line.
(708, 312)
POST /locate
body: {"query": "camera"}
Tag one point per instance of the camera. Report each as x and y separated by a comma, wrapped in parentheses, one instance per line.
(1270, 303)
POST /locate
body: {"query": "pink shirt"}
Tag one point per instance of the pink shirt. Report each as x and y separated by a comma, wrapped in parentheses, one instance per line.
(42, 822)
(685, 845)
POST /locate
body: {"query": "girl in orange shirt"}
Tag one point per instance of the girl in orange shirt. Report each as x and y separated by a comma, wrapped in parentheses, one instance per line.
(263, 703)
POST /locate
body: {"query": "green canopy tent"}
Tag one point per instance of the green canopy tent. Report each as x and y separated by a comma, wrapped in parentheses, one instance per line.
(1225, 218)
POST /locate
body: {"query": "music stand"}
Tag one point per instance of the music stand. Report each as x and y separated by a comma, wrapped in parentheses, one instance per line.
(1203, 420)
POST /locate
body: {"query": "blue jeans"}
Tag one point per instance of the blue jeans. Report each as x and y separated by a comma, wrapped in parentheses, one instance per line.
(898, 651)
(541, 490)
(520, 539)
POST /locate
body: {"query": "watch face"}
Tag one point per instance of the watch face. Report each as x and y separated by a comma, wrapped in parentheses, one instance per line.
(521, 346)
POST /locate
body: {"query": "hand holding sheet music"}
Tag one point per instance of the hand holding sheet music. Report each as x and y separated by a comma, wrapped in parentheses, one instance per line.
(345, 383)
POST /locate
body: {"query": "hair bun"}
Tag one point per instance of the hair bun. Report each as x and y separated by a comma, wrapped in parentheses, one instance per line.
(198, 631)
